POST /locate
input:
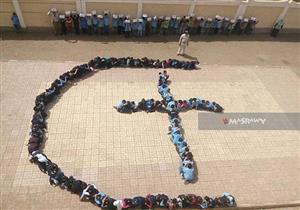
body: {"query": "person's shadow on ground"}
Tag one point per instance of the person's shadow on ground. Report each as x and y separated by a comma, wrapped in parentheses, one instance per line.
(190, 57)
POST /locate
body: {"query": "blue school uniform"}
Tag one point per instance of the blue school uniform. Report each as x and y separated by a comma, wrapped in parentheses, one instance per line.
(121, 22)
(83, 23)
(140, 29)
(101, 23)
(115, 23)
(209, 105)
(134, 28)
(127, 27)
(149, 104)
(144, 24)
(89, 21)
(167, 96)
(176, 24)
(106, 20)
(172, 23)
(219, 24)
(170, 104)
(198, 102)
(94, 21)
(15, 20)
(188, 174)
(214, 24)
(163, 89)
(174, 130)
(154, 23)
(181, 145)
(181, 150)
(176, 138)
(120, 105)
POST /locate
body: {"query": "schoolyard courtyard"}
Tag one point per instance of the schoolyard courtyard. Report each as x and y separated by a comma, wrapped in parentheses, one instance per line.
(127, 155)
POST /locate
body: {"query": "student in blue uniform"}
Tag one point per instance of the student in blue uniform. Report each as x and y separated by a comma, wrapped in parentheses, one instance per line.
(237, 25)
(209, 106)
(144, 17)
(172, 29)
(121, 24)
(148, 26)
(219, 24)
(177, 25)
(207, 26)
(100, 24)
(251, 25)
(106, 22)
(120, 105)
(214, 26)
(83, 23)
(140, 28)
(127, 28)
(89, 22)
(62, 19)
(154, 25)
(114, 23)
(94, 22)
(75, 18)
(16, 22)
(225, 24)
(188, 172)
(176, 137)
(134, 27)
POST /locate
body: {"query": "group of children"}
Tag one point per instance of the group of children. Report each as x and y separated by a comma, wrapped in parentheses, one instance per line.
(91, 23)
(104, 23)
(130, 62)
(172, 107)
(89, 192)
(187, 167)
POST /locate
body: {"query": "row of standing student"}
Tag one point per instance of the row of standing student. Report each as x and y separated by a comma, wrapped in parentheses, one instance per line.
(93, 23)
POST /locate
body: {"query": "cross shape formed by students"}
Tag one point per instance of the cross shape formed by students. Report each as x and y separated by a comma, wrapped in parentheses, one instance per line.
(173, 107)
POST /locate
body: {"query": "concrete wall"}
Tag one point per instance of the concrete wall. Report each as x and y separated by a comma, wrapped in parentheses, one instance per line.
(265, 15)
(35, 11)
(114, 8)
(165, 9)
(292, 19)
(6, 10)
(212, 10)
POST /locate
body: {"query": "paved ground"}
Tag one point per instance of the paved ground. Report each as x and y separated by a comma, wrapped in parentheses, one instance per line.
(256, 50)
(90, 140)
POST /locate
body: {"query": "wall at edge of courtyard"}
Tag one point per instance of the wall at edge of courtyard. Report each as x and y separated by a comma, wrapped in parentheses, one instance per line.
(114, 8)
(292, 19)
(6, 9)
(35, 11)
(212, 10)
(165, 9)
(265, 15)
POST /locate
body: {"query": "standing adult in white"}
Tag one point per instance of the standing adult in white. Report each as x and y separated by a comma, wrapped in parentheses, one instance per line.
(183, 42)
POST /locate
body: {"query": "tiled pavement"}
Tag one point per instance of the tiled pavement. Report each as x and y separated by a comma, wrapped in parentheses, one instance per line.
(126, 155)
